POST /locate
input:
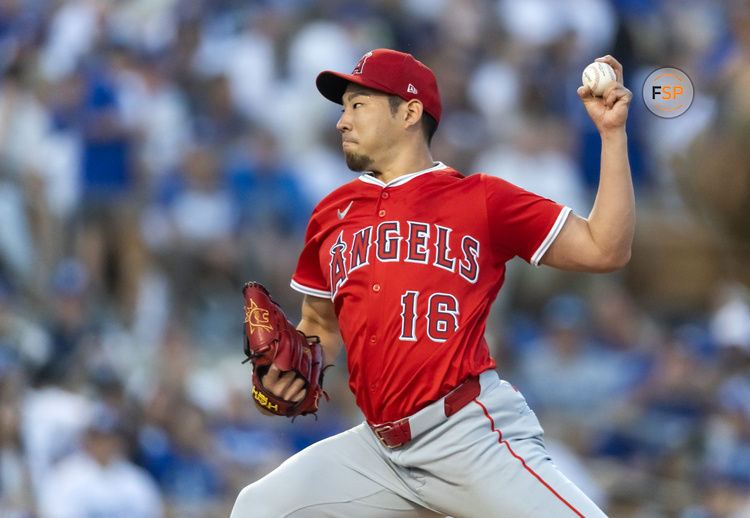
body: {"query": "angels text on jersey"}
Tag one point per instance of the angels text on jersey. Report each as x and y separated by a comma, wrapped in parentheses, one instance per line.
(430, 244)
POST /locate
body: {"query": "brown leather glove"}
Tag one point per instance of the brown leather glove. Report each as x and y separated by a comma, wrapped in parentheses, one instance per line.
(271, 338)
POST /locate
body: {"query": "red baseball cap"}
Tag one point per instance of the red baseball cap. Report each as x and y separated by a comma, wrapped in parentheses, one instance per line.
(388, 71)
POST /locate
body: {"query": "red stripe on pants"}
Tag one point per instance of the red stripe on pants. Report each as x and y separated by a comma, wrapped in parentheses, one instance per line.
(540, 479)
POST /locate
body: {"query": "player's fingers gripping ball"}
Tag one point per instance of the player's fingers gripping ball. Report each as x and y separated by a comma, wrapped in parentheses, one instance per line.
(271, 339)
(597, 76)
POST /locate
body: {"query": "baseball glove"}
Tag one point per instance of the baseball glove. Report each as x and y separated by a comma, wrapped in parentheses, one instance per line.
(271, 338)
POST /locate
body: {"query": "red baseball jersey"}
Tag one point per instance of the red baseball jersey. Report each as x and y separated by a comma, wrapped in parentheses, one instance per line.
(412, 268)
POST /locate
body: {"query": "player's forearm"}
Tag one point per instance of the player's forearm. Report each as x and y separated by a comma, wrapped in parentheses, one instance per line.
(330, 339)
(612, 218)
(319, 319)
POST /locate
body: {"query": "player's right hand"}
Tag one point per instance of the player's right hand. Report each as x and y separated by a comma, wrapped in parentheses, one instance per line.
(284, 384)
(610, 111)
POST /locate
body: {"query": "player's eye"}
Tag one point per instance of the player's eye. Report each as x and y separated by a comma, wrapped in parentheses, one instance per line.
(354, 106)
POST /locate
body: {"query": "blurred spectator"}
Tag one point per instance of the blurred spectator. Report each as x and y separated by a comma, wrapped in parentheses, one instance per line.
(495, 92)
(662, 420)
(188, 471)
(217, 121)
(730, 322)
(54, 413)
(247, 446)
(107, 168)
(541, 22)
(150, 25)
(22, 341)
(17, 251)
(202, 192)
(203, 249)
(16, 491)
(72, 322)
(721, 498)
(106, 237)
(728, 435)
(99, 480)
(155, 110)
(24, 125)
(266, 188)
(73, 30)
(566, 374)
(298, 112)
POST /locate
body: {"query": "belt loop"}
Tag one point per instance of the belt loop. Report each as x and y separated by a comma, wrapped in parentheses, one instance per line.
(396, 434)
(462, 396)
(393, 435)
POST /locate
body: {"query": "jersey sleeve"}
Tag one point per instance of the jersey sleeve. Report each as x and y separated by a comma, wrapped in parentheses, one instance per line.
(308, 278)
(521, 223)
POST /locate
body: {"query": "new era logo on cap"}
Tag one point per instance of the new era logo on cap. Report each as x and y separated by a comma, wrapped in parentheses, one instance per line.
(387, 71)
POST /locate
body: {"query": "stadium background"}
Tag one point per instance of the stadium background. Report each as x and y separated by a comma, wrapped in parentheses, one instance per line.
(155, 154)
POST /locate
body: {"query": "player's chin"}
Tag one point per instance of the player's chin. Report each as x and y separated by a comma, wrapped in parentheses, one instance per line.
(357, 162)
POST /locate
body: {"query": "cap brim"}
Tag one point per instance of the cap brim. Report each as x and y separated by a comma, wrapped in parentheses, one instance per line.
(333, 85)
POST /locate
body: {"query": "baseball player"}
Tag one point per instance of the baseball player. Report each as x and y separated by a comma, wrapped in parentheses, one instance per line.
(403, 264)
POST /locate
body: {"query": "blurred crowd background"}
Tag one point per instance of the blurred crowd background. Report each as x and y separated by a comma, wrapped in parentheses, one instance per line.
(156, 154)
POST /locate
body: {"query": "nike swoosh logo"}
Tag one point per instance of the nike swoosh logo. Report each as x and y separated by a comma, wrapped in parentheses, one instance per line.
(342, 213)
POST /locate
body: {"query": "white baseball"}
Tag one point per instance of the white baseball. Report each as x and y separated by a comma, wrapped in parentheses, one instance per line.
(597, 76)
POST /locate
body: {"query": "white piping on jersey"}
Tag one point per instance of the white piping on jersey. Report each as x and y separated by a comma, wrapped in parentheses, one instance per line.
(401, 179)
(553, 232)
(309, 291)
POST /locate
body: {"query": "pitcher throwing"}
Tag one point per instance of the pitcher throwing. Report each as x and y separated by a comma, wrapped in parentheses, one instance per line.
(401, 266)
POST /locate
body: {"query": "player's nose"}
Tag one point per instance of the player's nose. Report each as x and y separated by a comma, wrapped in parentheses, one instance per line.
(343, 123)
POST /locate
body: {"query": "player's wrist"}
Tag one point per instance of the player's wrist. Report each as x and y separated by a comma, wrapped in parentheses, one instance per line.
(616, 135)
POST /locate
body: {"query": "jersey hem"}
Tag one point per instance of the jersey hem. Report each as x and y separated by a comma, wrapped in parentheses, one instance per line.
(551, 235)
(309, 291)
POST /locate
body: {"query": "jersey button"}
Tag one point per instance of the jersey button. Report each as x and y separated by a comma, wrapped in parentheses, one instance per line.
(373, 339)
(381, 213)
(384, 195)
(376, 287)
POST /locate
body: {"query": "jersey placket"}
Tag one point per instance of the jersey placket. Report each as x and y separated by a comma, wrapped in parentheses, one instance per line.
(375, 309)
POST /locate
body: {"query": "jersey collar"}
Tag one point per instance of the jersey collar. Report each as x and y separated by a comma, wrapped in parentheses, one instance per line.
(367, 178)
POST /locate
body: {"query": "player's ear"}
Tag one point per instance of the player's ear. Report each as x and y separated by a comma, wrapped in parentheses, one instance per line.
(413, 112)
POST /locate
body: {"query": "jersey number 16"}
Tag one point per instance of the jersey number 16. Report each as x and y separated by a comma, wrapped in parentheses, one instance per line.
(442, 316)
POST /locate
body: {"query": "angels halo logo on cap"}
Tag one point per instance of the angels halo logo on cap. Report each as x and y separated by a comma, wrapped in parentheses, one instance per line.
(361, 63)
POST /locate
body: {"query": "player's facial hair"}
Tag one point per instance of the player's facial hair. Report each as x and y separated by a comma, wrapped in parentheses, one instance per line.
(357, 162)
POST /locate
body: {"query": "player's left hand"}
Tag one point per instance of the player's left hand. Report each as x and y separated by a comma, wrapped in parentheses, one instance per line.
(610, 111)
(285, 384)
